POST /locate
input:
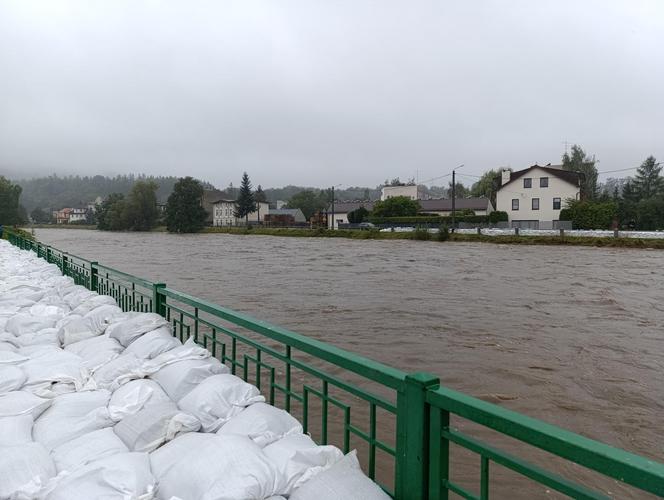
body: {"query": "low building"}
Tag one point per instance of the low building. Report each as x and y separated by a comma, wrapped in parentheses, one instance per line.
(533, 197)
(338, 214)
(62, 216)
(210, 196)
(294, 215)
(410, 191)
(443, 206)
(79, 214)
(223, 213)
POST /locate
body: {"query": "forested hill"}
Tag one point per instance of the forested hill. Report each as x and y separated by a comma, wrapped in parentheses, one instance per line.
(56, 192)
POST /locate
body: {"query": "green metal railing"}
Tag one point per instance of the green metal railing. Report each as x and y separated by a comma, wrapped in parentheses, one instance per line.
(399, 422)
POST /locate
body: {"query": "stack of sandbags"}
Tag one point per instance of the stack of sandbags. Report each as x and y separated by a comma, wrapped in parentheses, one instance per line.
(99, 403)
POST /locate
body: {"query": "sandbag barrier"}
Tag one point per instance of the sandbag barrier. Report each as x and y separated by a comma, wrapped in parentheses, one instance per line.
(401, 424)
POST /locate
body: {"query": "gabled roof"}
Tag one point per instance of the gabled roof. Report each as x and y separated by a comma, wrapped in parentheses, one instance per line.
(344, 207)
(445, 204)
(573, 178)
(297, 214)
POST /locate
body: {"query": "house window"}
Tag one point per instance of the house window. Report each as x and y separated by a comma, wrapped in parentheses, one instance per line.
(556, 203)
(515, 204)
(535, 203)
(544, 182)
(528, 183)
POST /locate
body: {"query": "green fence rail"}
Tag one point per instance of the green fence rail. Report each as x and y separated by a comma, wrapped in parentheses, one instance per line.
(399, 422)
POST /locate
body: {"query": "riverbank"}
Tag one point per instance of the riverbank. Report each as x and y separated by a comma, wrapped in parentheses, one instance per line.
(455, 237)
(421, 235)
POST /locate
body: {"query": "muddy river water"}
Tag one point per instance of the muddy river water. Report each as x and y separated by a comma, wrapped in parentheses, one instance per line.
(570, 335)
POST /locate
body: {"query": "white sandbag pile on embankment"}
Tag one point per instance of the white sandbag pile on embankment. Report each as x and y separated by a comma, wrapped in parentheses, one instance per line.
(99, 403)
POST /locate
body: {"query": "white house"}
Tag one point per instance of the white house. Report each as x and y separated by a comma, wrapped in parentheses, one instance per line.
(533, 197)
(78, 214)
(223, 213)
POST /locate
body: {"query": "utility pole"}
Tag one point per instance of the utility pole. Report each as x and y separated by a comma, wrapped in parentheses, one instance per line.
(332, 208)
(453, 198)
(454, 195)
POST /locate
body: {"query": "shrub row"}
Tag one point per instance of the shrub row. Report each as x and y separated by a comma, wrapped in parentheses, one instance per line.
(492, 218)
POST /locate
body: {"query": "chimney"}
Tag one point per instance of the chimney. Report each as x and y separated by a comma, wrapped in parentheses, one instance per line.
(507, 175)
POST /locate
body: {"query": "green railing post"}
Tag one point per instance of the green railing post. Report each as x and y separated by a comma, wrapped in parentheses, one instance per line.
(413, 436)
(48, 254)
(158, 299)
(94, 275)
(64, 265)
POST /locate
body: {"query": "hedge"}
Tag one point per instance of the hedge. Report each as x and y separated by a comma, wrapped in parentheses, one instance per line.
(437, 219)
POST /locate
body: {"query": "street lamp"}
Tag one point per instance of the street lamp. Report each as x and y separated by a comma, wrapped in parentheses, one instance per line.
(454, 194)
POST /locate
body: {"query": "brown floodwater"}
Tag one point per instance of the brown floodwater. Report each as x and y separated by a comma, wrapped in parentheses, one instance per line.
(569, 335)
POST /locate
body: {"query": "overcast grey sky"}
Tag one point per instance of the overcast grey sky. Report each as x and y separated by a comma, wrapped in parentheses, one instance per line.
(321, 92)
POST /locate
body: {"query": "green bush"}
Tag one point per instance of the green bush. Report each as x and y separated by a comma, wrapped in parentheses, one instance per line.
(443, 233)
(436, 219)
(590, 214)
(421, 234)
(498, 216)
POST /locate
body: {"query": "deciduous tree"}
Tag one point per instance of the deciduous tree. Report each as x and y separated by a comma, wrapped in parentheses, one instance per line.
(9, 204)
(577, 161)
(184, 212)
(397, 206)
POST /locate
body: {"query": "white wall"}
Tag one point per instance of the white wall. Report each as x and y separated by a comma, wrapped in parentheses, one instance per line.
(558, 188)
(392, 191)
(223, 214)
(338, 219)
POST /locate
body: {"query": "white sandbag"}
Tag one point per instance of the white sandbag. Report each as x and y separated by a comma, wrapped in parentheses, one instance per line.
(51, 366)
(154, 343)
(297, 459)
(128, 330)
(208, 466)
(262, 423)
(47, 336)
(93, 303)
(22, 403)
(24, 469)
(11, 358)
(134, 396)
(86, 448)
(179, 378)
(12, 378)
(16, 430)
(344, 480)
(124, 476)
(71, 416)
(31, 350)
(76, 295)
(188, 350)
(218, 398)
(48, 311)
(96, 351)
(7, 346)
(153, 426)
(81, 329)
(117, 372)
(26, 323)
(104, 315)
